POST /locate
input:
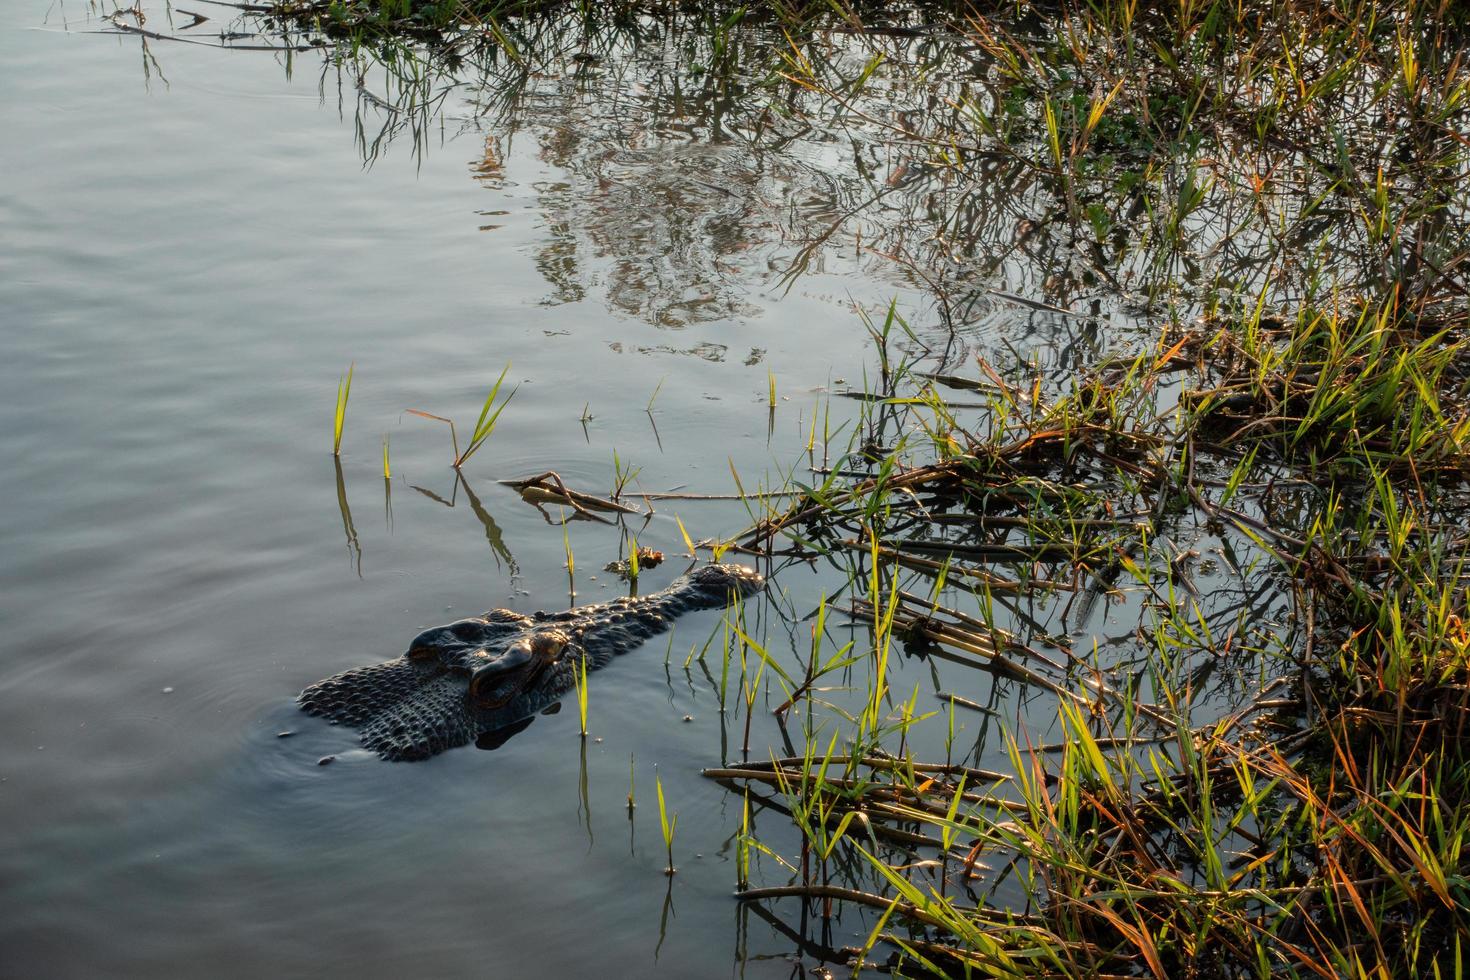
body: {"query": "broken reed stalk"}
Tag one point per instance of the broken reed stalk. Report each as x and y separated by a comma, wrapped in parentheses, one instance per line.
(548, 488)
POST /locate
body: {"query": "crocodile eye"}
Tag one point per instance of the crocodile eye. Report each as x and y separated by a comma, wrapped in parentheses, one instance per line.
(426, 645)
(468, 630)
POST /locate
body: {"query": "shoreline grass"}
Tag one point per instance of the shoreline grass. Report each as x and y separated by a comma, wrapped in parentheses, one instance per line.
(1267, 773)
(1316, 826)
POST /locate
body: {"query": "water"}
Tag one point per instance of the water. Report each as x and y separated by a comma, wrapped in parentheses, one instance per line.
(194, 252)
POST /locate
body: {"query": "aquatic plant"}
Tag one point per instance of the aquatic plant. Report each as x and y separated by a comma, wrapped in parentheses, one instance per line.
(339, 418)
(484, 425)
(622, 476)
(580, 676)
(668, 825)
(1313, 826)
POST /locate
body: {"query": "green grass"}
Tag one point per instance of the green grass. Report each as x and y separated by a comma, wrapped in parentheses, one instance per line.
(667, 824)
(1320, 825)
(484, 425)
(580, 676)
(623, 474)
(339, 418)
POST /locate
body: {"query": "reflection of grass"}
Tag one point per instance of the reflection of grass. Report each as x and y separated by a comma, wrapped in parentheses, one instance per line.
(1136, 156)
(493, 535)
(354, 546)
(492, 530)
(515, 27)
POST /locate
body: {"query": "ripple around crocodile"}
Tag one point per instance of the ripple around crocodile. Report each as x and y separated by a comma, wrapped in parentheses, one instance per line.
(488, 674)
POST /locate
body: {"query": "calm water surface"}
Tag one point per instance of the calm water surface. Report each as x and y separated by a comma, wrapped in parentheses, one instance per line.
(189, 262)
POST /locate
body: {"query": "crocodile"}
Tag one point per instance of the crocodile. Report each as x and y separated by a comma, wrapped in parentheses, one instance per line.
(476, 677)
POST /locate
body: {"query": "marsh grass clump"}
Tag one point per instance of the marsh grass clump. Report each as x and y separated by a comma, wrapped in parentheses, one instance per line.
(1312, 822)
(1268, 777)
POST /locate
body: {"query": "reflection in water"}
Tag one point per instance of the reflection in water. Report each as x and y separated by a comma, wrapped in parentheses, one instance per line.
(663, 918)
(679, 194)
(632, 805)
(687, 176)
(388, 504)
(584, 794)
(492, 530)
(495, 738)
(354, 548)
(691, 169)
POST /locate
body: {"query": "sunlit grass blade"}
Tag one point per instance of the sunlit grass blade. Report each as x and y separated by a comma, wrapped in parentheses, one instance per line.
(666, 823)
(688, 544)
(485, 424)
(339, 418)
(579, 677)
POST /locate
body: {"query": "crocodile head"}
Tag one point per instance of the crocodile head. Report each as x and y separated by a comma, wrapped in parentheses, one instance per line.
(488, 673)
